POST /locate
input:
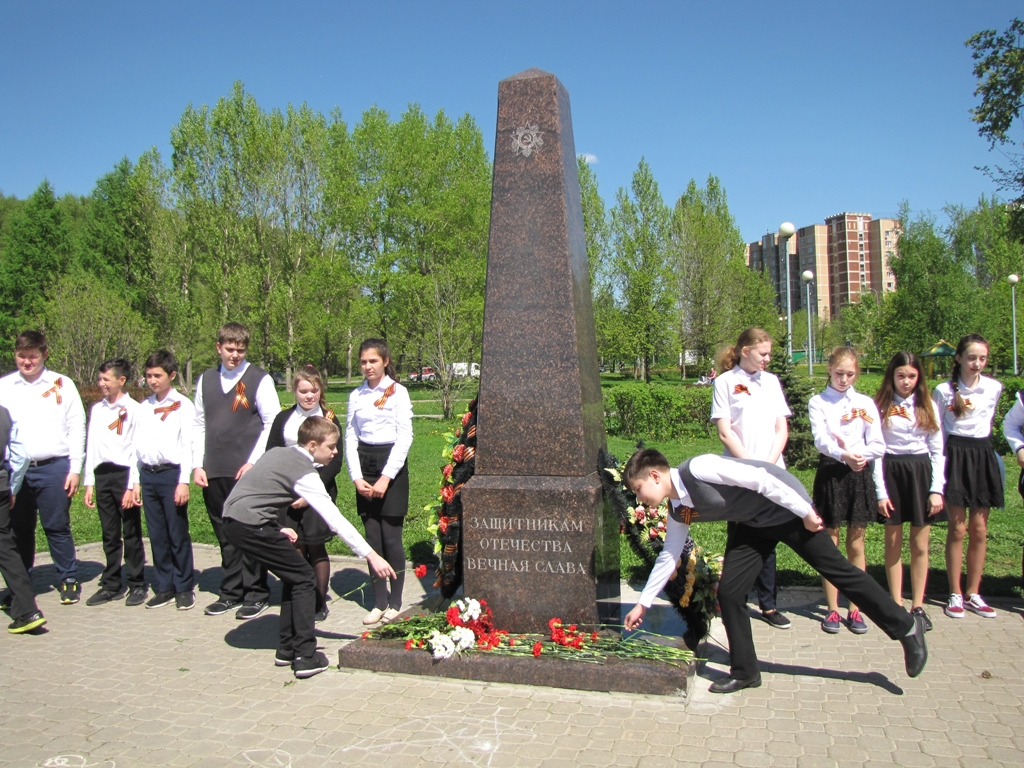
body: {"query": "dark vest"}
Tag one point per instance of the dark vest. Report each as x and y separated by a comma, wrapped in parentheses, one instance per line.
(5, 439)
(713, 501)
(231, 435)
(268, 487)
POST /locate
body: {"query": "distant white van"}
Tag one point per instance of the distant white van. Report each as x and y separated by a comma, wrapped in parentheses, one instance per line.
(461, 370)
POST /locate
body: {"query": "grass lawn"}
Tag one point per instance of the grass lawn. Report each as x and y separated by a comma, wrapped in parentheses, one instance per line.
(1005, 532)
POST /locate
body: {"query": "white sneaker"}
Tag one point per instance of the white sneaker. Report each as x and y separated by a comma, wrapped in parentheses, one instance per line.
(373, 616)
(389, 615)
(955, 607)
(976, 605)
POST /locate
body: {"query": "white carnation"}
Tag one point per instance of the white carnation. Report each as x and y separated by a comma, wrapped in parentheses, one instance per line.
(469, 610)
(463, 638)
(441, 645)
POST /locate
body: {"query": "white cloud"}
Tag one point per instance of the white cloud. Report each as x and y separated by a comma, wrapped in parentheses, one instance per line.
(588, 158)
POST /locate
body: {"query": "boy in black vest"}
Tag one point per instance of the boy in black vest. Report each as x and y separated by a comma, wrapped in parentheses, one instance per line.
(21, 598)
(768, 503)
(235, 407)
(251, 512)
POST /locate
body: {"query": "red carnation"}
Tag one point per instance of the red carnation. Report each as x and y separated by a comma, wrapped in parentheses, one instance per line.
(447, 494)
(364, 635)
(653, 533)
(593, 637)
(466, 417)
(536, 650)
(442, 524)
(408, 644)
(458, 452)
(420, 571)
(554, 623)
(447, 471)
(453, 616)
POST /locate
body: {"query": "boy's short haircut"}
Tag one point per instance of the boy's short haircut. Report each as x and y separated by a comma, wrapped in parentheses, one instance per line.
(317, 429)
(235, 333)
(641, 463)
(30, 340)
(119, 366)
(163, 359)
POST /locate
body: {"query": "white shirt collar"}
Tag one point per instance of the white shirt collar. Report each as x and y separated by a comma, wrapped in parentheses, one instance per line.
(234, 374)
(384, 383)
(303, 412)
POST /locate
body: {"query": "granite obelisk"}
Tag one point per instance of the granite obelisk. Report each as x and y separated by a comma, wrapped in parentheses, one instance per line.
(538, 539)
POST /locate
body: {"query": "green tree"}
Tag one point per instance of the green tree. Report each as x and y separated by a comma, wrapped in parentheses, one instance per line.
(608, 319)
(999, 69)
(800, 452)
(640, 230)
(36, 254)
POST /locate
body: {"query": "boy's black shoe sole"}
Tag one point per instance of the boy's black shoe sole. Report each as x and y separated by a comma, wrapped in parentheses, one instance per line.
(731, 685)
(313, 665)
(26, 623)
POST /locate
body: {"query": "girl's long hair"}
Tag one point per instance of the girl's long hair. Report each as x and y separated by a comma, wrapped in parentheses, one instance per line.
(381, 348)
(923, 409)
(311, 375)
(729, 357)
(959, 407)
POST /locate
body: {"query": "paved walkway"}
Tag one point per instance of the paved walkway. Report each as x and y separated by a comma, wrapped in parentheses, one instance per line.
(121, 687)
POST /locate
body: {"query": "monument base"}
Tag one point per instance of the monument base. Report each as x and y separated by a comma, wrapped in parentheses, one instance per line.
(623, 676)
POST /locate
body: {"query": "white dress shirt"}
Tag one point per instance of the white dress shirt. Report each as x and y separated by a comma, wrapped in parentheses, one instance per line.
(290, 431)
(977, 419)
(713, 469)
(17, 461)
(268, 405)
(848, 415)
(50, 416)
(391, 422)
(1013, 425)
(903, 436)
(311, 488)
(164, 437)
(104, 443)
(752, 402)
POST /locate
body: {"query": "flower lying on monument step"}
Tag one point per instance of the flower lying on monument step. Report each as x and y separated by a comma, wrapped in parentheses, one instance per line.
(468, 626)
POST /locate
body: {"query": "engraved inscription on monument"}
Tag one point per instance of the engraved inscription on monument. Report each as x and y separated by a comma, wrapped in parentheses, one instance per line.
(526, 545)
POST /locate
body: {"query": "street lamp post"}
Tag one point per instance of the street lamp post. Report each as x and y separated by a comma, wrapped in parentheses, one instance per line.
(807, 277)
(1013, 280)
(786, 231)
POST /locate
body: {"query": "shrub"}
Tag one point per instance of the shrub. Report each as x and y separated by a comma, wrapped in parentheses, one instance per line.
(1011, 385)
(653, 411)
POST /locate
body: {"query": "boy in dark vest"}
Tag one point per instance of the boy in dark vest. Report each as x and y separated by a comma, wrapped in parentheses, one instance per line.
(235, 407)
(21, 598)
(768, 503)
(251, 513)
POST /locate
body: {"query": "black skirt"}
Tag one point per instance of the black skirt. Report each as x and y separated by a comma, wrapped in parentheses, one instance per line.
(908, 482)
(307, 523)
(842, 496)
(973, 480)
(372, 460)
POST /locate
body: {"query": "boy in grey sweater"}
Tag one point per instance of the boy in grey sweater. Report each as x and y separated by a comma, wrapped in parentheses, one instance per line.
(279, 478)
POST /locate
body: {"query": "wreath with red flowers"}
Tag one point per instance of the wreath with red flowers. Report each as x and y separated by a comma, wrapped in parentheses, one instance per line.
(446, 509)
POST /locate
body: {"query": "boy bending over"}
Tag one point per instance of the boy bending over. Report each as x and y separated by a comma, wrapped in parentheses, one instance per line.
(771, 506)
(251, 511)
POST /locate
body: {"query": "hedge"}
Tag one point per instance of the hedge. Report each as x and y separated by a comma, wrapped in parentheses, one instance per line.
(659, 412)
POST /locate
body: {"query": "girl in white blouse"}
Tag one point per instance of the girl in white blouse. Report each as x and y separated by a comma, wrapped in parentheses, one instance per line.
(378, 435)
(749, 410)
(848, 435)
(910, 477)
(967, 404)
(313, 531)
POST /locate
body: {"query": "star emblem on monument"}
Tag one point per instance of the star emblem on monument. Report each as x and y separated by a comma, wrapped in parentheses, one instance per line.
(526, 140)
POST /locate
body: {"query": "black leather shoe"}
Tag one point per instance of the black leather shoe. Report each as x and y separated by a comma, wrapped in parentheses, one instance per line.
(915, 652)
(731, 685)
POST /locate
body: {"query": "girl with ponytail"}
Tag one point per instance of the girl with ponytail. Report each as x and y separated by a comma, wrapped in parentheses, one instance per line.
(308, 389)
(967, 404)
(750, 411)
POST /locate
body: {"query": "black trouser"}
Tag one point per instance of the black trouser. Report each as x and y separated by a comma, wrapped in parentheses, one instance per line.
(266, 545)
(384, 535)
(12, 568)
(169, 541)
(244, 580)
(767, 589)
(111, 483)
(745, 554)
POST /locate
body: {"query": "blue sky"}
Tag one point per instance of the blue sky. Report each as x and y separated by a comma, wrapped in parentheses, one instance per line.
(802, 109)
